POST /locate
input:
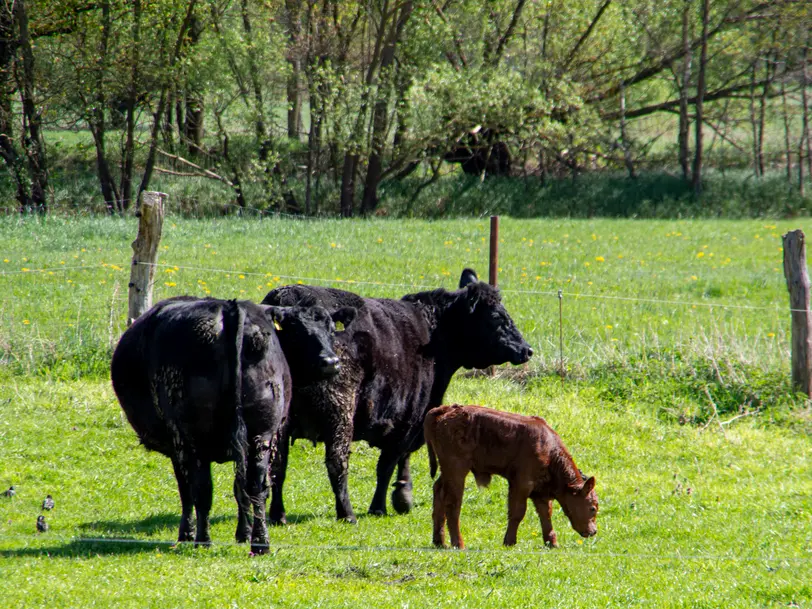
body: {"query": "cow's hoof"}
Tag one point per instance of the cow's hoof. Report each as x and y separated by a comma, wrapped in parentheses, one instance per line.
(259, 548)
(202, 543)
(278, 522)
(348, 519)
(377, 512)
(402, 497)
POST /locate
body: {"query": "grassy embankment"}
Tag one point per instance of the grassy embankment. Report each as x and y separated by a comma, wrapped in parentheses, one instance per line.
(697, 510)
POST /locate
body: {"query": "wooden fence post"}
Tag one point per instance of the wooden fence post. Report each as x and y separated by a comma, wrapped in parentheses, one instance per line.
(145, 253)
(798, 285)
(493, 266)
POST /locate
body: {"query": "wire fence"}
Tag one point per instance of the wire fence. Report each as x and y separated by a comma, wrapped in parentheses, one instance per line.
(559, 553)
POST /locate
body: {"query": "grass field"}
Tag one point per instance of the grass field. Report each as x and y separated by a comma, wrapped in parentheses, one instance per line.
(676, 398)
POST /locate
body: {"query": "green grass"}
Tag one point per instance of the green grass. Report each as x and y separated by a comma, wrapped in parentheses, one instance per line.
(698, 508)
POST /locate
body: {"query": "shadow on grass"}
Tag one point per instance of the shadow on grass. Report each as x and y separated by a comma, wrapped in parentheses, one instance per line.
(81, 547)
(147, 526)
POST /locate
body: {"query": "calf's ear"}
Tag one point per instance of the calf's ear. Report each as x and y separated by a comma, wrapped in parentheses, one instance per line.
(472, 298)
(345, 315)
(468, 276)
(589, 484)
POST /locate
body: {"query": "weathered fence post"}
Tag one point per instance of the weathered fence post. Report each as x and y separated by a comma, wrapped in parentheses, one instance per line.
(798, 285)
(145, 253)
(493, 266)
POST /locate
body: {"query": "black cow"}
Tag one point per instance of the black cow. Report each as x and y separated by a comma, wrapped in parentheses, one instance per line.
(397, 360)
(204, 380)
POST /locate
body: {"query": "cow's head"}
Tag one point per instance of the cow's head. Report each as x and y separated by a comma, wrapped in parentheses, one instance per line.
(307, 335)
(580, 504)
(485, 332)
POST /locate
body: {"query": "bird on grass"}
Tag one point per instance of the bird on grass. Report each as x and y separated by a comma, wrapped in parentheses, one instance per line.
(42, 526)
(48, 503)
(10, 492)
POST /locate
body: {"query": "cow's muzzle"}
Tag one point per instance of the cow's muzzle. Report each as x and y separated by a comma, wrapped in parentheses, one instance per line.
(330, 365)
(522, 355)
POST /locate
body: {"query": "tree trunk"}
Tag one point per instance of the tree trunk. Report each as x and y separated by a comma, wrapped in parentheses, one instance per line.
(128, 145)
(787, 146)
(35, 148)
(624, 140)
(769, 75)
(753, 122)
(381, 111)
(294, 89)
(700, 94)
(8, 148)
(684, 119)
(195, 104)
(805, 117)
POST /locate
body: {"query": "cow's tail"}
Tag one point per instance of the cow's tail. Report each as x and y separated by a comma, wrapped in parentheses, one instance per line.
(233, 323)
(432, 459)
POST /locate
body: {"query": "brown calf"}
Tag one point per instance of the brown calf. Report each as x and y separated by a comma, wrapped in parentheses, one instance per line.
(525, 450)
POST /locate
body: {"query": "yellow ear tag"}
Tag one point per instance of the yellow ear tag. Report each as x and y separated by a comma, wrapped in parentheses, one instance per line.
(277, 326)
(339, 326)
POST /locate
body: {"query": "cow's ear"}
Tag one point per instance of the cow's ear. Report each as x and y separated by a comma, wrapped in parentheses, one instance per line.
(472, 297)
(468, 277)
(344, 316)
(589, 484)
(277, 315)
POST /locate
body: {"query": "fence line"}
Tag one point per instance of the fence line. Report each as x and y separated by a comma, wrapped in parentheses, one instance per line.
(423, 549)
(555, 293)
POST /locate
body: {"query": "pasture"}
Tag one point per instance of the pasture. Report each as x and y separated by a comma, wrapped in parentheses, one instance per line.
(676, 397)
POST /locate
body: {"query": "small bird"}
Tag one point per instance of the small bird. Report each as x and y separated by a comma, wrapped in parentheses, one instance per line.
(42, 526)
(48, 503)
(10, 492)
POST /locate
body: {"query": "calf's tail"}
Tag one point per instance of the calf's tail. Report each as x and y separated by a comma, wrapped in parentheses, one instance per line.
(428, 434)
(432, 459)
(233, 330)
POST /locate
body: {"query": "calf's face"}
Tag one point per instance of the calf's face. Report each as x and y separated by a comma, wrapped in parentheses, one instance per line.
(307, 338)
(581, 507)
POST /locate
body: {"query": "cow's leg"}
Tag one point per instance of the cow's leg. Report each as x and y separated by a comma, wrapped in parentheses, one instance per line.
(544, 508)
(438, 514)
(243, 512)
(402, 494)
(183, 476)
(259, 533)
(337, 458)
(279, 468)
(453, 489)
(386, 467)
(517, 507)
(203, 498)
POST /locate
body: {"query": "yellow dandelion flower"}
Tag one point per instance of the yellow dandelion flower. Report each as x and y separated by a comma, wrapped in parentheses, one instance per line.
(332, 245)
(25, 270)
(26, 322)
(693, 277)
(700, 254)
(380, 240)
(599, 258)
(6, 260)
(608, 326)
(170, 284)
(241, 276)
(586, 264)
(771, 334)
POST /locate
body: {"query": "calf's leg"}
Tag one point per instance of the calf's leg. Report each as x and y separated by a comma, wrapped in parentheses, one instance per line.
(187, 528)
(453, 489)
(544, 508)
(517, 507)
(438, 514)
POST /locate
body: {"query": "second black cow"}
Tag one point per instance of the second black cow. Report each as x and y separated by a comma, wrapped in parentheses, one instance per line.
(397, 360)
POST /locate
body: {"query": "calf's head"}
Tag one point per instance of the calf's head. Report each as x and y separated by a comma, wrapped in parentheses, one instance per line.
(580, 504)
(307, 338)
(486, 333)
